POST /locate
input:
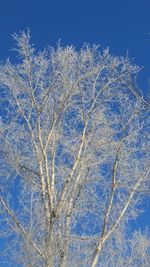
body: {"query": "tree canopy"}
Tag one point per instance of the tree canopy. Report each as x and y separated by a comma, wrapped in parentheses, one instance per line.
(75, 158)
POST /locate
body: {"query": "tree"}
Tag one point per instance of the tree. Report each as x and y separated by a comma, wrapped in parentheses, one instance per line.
(75, 158)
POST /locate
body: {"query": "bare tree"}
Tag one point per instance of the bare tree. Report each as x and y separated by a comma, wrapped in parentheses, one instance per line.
(75, 158)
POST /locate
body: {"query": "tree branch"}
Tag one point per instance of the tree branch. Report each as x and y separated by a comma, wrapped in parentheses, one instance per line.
(21, 228)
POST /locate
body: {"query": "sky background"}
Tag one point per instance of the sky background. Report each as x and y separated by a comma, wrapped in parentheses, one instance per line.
(121, 25)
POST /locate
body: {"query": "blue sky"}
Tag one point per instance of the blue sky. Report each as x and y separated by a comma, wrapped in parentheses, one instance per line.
(123, 25)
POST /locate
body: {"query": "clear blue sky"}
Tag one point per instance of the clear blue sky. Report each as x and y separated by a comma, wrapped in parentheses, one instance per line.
(123, 25)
